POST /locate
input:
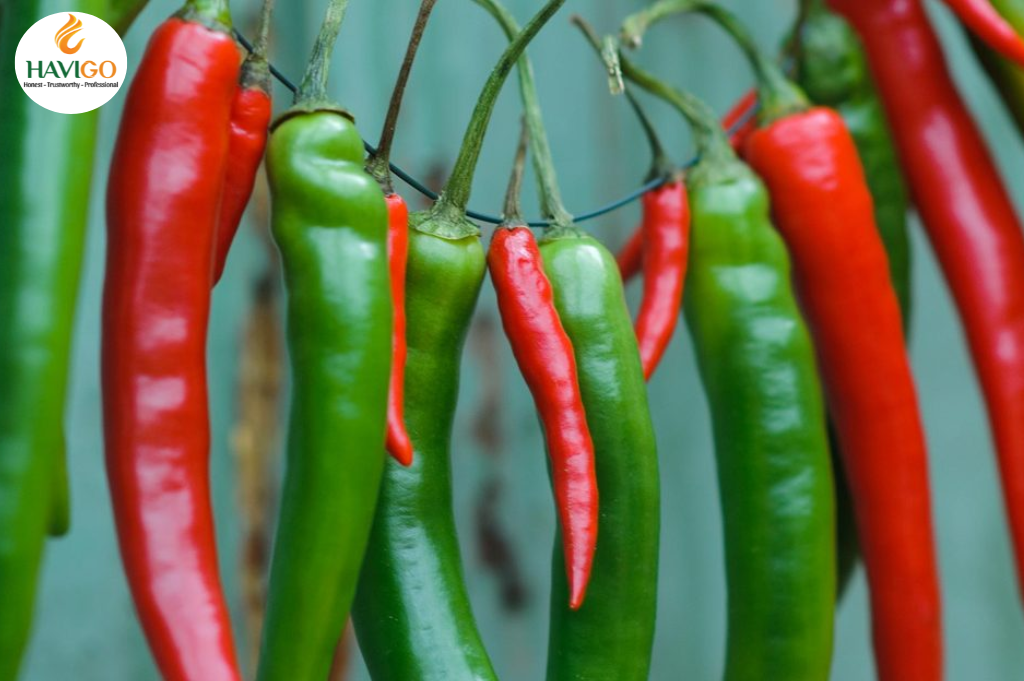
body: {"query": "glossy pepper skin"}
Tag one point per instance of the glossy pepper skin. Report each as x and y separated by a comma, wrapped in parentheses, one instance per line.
(754, 354)
(823, 210)
(156, 302)
(250, 123)
(1007, 76)
(398, 442)
(833, 72)
(666, 228)
(974, 230)
(544, 354)
(330, 224)
(610, 637)
(42, 155)
(412, 613)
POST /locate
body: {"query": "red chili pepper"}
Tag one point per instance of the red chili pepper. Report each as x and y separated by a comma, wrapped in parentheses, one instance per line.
(546, 359)
(250, 124)
(163, 200)
(988, 24)
(631, 257)
(824, 212)
(823, 208)
(666, 244)
(398, 442)
(966, 212)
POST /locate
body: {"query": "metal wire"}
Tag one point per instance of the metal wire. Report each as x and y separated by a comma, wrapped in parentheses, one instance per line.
(495, 220)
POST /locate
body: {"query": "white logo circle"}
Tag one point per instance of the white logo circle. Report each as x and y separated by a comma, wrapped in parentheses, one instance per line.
(71, 62)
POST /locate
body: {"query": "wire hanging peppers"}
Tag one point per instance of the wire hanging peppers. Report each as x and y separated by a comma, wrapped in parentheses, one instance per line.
(412, 570)
(398, 443)
(974, 231)
(330, 224)
(610, 635)
(823, 209)
(156, 303)
(250, 124)
(754, 353)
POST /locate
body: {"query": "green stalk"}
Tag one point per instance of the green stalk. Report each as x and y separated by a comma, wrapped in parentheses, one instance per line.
(779, 96)
(552, 205)
(716, 157)
(313, 89)
(212, 13)
(256, 68)
(661, 164)
(378, 163)
(447, 217)
(512, 213)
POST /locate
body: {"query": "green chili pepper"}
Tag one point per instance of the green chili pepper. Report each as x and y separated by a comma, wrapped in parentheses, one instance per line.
(330, 224)
(1007, 76)
(611, 635)
(412, 614)
(757, 364)
(45, 177)
(833, 71)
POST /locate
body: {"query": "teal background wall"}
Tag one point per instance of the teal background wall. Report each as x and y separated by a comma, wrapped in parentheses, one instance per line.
(86, 629)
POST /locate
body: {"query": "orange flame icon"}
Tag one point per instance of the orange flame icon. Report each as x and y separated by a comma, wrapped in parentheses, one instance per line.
(66, 33)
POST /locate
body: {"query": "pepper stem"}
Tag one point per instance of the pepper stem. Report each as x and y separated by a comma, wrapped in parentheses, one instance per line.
(512, 214)
(778, 95)
(256, 68)
(313, 89)
(552, 205)
(377, 164)
(212, 13)
(455, 197)
(263, 32)
(661, 164)
(715, 154)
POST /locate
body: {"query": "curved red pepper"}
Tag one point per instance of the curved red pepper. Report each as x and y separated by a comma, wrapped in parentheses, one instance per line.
(398, 443)
(966, 212)
(988, 24)
(824, 211)
(250, 123)
(631, 257)
(163, 199)
(545, 357)
(666, 239)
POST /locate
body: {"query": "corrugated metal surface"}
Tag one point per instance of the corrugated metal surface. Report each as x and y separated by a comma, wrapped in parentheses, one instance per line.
(86, 628)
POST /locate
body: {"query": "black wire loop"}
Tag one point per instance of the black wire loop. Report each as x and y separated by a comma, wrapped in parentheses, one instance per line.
(494, 220)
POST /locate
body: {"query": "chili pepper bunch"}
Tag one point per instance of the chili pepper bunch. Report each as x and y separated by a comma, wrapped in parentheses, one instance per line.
(785, 245)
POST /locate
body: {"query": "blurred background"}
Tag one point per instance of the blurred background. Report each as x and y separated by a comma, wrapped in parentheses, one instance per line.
(86, 627)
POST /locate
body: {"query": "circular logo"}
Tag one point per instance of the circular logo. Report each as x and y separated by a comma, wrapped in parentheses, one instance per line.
(71, 62)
